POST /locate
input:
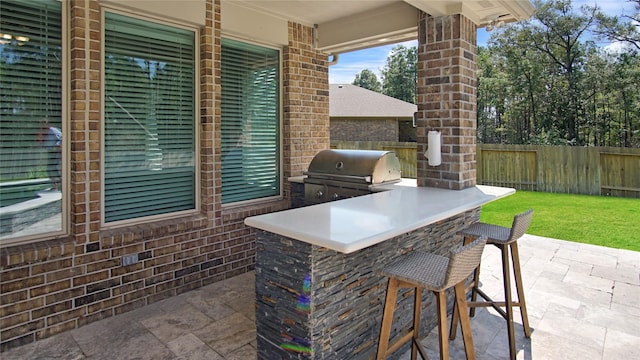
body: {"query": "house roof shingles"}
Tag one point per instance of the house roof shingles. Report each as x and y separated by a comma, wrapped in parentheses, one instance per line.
(346, 100)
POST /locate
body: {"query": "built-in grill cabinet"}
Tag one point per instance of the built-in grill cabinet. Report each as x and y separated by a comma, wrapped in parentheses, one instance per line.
(340, 174)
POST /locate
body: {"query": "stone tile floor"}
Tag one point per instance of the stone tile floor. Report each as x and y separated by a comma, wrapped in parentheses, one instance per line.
(583, 303)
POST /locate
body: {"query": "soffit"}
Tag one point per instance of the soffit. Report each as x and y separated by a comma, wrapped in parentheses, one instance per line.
(479, 11)
(347, 25)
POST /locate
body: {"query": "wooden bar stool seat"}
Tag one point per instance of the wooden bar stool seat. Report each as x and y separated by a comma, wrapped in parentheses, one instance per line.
(420, 269)
(506, 240)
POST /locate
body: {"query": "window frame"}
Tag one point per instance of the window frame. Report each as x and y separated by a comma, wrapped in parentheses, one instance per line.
(280, 122)
(196, 120)
(65, 152)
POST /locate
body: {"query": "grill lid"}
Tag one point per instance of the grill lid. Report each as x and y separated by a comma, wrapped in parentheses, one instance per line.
(370, 166)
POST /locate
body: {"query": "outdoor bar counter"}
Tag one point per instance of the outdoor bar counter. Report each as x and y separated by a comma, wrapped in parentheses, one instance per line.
(319, 294)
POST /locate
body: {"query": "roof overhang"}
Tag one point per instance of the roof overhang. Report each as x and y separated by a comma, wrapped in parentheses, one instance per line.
(389, 24)
(347, 25)
(479, 11)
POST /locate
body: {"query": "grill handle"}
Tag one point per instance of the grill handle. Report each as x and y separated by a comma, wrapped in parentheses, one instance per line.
(351, 178)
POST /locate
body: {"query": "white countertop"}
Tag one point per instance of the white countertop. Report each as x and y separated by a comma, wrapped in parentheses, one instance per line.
(353, 224)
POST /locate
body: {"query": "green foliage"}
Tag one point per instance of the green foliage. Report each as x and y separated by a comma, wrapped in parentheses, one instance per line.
(541, 82)
(367, 79)
(399, 76)
(624, 28)
(598, 220)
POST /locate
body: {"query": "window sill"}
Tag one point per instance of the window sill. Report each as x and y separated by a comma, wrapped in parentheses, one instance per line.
(163, 227)
(36, 251)
(234, 212)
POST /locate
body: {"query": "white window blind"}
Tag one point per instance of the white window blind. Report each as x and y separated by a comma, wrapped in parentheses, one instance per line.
(30, 104)
(149, 130)
(250, 121)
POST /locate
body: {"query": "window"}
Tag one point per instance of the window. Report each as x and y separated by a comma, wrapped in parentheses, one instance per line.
(250, 122)
(149, 118)
(31, 119)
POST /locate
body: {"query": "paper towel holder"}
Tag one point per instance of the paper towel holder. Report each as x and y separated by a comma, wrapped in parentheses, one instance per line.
(433, 153)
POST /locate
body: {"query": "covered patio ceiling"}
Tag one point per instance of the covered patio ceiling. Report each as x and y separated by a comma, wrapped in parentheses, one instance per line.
(347, 25)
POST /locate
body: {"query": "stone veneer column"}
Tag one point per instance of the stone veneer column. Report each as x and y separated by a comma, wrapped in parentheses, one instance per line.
(446, 99)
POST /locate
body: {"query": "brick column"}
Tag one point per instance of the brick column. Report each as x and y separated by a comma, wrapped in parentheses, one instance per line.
(210, 116)
(84, 121)
(305, 102)
(447, 99)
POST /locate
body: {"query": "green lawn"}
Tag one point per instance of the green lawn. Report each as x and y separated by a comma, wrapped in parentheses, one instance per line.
(599, 220)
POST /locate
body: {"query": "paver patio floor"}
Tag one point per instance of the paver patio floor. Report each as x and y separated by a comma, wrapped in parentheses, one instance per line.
(583, 303)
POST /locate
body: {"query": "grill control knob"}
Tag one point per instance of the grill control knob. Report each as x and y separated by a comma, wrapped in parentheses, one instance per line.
(335, 196)
(319, 194)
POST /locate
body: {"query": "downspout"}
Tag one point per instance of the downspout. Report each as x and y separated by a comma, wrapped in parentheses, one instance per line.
(333, 59)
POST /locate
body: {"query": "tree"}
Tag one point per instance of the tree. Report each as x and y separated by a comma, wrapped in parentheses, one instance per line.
(492, 96)
(523, 86)
(368, 80)
(625, 126)
(557, 34)
(399, 76)
(625, 28)
(541, 82)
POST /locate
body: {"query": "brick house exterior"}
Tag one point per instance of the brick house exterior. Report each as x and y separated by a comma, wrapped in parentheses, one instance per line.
(65, 282)
(56, 283)
(359, 114)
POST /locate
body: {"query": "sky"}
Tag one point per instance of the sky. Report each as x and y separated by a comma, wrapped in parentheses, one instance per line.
(374, 59)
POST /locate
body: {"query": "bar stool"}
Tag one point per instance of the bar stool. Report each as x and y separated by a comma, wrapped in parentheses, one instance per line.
(505, 239)
(420, 269)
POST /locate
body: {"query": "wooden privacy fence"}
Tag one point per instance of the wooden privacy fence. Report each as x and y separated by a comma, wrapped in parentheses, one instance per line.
(560, 169)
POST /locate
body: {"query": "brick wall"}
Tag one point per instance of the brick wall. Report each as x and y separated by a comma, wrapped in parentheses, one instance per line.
(62, 283)
(306, 102)
(364, 129)
(447, 99)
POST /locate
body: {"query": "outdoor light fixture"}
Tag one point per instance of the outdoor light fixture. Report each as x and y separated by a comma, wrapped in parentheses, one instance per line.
(494, 22)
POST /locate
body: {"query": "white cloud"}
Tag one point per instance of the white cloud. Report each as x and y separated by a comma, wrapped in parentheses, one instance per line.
(352, 63)
(346, 73)
(616, 47)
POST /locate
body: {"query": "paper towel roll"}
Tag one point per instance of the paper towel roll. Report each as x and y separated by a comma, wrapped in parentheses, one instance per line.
(433, 151)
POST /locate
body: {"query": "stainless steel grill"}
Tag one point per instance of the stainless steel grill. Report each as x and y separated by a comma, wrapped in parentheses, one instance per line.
(340, 174)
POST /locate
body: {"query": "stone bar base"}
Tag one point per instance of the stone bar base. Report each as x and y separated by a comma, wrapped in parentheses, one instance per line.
(315, 303)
